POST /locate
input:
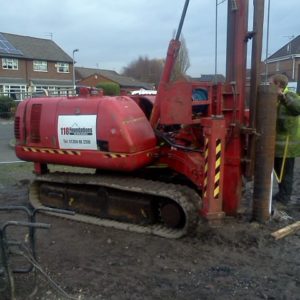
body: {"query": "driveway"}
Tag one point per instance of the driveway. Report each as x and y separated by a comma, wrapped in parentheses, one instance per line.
(7, 153)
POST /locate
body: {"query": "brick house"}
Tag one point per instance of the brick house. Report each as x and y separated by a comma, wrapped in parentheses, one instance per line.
(92, 77)
(29, 64)
(209, 78)
(286, 60)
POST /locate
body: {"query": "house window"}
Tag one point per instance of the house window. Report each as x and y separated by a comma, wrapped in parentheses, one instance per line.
(17, 92)
(62, 67)
(277, 66)
(40, 66)
(9, 63)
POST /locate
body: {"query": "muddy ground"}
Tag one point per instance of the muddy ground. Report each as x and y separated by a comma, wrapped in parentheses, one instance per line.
(239, 260)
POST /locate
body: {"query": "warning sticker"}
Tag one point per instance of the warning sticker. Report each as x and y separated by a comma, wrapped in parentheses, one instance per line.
(77, 132)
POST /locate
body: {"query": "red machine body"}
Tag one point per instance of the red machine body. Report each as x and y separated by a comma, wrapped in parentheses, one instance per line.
(192, 129)
(96, 132)
(114, 133)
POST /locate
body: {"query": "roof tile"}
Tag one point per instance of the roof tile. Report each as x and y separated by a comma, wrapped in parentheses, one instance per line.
(37, 48)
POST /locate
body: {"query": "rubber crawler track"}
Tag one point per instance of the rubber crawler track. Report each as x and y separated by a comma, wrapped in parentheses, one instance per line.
(186, 198)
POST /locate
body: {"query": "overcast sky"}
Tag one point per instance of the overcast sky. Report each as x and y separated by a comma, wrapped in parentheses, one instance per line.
(111, 33)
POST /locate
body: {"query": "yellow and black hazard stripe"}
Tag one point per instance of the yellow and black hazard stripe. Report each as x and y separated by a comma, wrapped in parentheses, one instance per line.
(217, 168)
(115, 155)
(51, 151)
(205, 167)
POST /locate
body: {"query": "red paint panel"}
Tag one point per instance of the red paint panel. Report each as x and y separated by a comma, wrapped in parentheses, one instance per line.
(121, 127)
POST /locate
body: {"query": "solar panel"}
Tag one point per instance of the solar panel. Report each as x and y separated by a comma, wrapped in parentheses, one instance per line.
(7, 47)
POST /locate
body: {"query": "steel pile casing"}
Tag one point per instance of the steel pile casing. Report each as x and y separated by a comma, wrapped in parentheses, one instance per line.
(264, 151)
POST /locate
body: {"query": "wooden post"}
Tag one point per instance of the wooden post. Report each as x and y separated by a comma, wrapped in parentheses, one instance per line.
(292, 228)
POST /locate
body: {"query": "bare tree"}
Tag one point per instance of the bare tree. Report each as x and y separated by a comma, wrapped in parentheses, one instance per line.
(150, 70)
(183, 61)
(145, 69)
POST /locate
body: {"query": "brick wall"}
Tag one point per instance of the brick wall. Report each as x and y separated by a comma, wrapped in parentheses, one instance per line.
(284, 66)
(25, 71)
(93, 80)
(20, 73)
(50, 74)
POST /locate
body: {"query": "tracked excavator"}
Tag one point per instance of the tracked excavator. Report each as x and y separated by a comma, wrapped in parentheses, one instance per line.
(159, 163)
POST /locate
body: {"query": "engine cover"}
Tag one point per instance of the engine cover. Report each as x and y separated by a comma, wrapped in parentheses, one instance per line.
(96, 131)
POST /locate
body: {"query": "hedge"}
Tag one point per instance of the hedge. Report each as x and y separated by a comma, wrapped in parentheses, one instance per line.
(109, 88)
(7, 107)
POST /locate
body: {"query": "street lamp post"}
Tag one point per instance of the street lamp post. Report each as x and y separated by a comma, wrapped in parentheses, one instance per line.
(73, 78)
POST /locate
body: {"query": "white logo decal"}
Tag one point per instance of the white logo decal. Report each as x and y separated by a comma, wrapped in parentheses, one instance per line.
(77, 132)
